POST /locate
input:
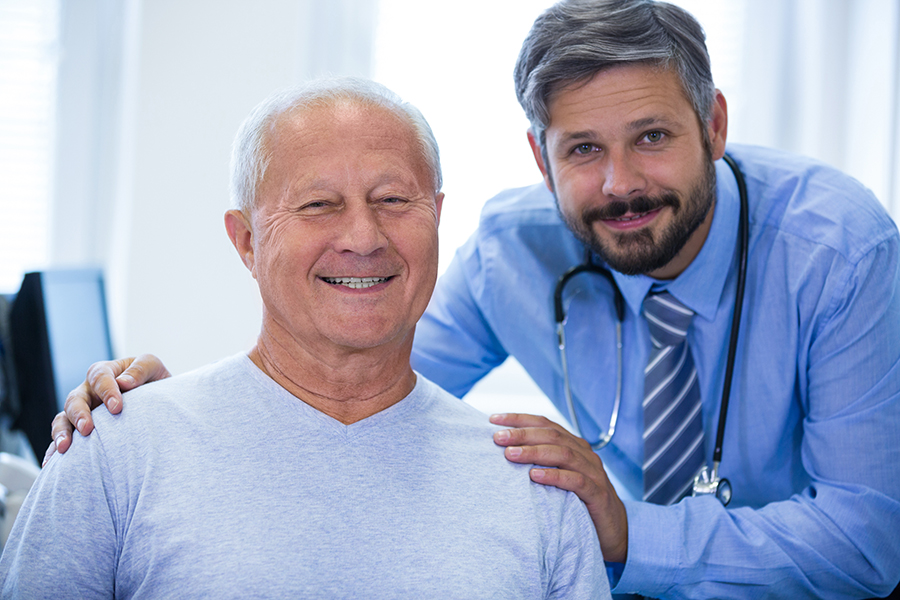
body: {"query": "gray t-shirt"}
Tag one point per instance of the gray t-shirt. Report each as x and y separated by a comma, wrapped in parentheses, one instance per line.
(221, 484)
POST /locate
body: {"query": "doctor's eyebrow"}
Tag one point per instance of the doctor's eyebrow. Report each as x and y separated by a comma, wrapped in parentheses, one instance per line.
(650, 122)
(632, 126)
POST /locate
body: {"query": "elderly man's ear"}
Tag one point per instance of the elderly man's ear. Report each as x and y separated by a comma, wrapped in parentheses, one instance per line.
(241, 235)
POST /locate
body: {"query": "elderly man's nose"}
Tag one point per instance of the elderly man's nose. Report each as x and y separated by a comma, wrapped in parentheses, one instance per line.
(361, 232)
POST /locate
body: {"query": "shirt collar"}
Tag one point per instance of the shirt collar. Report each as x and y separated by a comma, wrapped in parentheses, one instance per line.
(700, 286)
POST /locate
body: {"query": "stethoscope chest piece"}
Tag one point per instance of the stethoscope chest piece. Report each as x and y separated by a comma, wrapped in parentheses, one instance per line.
(708, 483)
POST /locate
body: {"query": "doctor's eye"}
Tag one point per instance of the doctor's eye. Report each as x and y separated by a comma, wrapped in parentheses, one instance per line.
(654, 136)
(584, 148)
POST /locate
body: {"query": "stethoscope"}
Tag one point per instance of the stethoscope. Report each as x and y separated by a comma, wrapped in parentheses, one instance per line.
(707, 482)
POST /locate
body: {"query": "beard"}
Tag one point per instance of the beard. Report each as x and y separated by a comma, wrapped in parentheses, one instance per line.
(643, 251)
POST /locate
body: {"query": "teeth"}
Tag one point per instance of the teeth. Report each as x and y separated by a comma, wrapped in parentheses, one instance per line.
(631, 218)
(356, 283)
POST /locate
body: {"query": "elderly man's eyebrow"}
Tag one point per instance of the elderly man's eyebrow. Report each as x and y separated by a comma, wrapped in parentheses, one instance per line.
(390, 177)
(312, 185)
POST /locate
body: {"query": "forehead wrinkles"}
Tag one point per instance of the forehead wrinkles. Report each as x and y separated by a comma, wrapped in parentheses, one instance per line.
(630, 92)
(346, 144)
(604, 98)
(630, 108)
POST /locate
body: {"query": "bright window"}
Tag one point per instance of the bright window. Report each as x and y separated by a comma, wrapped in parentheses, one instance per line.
(28, 59)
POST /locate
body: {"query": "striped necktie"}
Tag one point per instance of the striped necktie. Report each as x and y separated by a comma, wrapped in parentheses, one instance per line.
(673, 424)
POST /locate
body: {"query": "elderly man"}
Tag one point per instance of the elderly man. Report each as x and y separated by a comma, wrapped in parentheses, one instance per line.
(326, 490)
(629, 134)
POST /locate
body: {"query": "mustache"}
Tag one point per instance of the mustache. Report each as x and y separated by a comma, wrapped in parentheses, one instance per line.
(638, 205)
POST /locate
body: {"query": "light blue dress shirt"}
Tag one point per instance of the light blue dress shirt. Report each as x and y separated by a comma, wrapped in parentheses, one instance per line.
(812, 442)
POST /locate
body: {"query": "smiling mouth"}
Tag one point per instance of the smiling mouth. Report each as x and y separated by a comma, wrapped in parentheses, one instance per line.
(356, 283)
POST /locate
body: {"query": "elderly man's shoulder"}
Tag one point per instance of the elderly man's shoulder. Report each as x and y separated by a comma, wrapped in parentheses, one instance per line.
(212, 388)
(460, 430)
(452, 415)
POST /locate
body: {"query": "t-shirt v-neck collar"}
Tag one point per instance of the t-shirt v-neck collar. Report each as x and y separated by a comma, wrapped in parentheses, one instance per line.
(397, 412)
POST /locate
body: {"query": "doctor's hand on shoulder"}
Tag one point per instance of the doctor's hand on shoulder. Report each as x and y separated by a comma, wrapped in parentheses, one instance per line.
(571, 465)
(104, 384)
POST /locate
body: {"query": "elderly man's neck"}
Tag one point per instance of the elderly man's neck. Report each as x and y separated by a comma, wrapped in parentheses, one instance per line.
(348, 386)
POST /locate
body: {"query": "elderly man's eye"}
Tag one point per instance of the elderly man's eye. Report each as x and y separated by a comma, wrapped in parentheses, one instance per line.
(584, 148)
(654, 136)
(310, 206)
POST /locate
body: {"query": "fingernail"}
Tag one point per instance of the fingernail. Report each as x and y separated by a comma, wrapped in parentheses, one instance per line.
(497, 417)
(125, 379)
(59, 439)
(113, 404)
(502, 436)
(81, 424)
(537, 474)
(514, 452)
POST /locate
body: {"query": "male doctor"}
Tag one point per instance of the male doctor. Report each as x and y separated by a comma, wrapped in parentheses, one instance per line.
(629, 133)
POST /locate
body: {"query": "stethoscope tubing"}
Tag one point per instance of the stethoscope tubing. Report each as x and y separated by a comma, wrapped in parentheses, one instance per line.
(743, 244)
(590, 267)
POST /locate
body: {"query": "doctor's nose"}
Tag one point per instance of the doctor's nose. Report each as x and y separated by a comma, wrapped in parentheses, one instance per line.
(621, 178)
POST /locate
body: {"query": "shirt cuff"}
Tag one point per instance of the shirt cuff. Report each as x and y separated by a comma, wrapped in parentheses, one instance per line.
(614, 572)
(655, 539)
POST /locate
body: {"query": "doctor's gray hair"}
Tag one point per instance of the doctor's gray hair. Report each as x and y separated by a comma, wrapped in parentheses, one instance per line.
(575, 39)
(250, 155)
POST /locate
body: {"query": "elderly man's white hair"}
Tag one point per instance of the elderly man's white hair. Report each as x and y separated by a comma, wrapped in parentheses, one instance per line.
(250, 156)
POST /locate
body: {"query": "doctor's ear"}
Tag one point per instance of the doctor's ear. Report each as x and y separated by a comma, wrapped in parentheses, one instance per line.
(539, 159)
(717, 126)
(240, 232)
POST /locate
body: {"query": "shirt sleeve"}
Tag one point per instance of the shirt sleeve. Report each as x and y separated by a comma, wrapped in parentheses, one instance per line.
(63, 543)
(577, 571)
(454, 345)
(837, 538)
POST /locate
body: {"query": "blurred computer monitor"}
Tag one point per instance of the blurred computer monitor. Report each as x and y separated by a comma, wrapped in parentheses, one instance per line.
(58, 327)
